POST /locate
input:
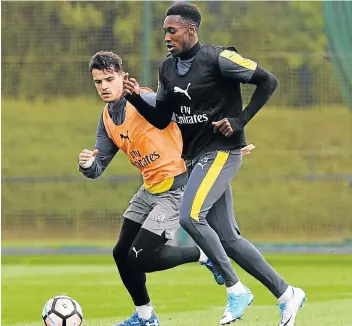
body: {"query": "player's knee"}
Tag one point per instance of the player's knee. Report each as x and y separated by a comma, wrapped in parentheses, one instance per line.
(230, 245)
(185, 221)
(135, 256)
(139, 258)
(119, 253)
(185, 218)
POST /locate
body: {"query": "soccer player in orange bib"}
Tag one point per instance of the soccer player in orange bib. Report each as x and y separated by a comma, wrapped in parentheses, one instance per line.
(152, 216)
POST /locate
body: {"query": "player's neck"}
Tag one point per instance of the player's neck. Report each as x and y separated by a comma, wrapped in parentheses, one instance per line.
(118, 104)
(191, 52)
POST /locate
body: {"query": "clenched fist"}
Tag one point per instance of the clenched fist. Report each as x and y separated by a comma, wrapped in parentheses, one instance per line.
(86, 158)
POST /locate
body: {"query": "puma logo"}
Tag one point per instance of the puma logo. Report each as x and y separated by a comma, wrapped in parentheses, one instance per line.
(137, 252)
(154, 323)
(183, 91)
(160, 218)
(125, 137)
(203, 162)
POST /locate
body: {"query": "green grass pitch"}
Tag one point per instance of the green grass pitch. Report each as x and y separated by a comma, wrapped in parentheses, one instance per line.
(184, 296)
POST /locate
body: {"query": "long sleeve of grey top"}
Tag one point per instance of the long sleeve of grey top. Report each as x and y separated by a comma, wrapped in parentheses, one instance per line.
(266, 84)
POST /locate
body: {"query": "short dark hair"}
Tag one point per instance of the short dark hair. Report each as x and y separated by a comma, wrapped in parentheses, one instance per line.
(105, 60)
(187, 11)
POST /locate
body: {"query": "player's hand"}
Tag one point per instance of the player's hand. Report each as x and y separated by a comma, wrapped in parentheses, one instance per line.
(224, 127)
(247, 149)
(86, 158)
(130, 86)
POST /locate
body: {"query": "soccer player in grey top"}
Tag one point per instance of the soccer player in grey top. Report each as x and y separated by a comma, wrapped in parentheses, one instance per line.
(200, 86)
(152, 216)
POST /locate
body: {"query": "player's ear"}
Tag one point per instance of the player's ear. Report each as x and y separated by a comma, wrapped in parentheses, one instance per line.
(192, 30)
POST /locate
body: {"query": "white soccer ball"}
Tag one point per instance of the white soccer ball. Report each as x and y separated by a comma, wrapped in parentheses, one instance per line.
(62, 311)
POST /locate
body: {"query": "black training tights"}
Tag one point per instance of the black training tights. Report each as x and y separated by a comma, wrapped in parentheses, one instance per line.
(139, 251)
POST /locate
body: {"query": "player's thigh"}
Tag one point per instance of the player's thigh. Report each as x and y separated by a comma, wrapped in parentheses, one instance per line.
(146, 246)
(221, 217)
(208, 181)
(164, 217)
(139, 206)
(127, 236)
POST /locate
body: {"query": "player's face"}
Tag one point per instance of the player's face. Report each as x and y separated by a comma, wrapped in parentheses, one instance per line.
(109, 84)
(178, 35)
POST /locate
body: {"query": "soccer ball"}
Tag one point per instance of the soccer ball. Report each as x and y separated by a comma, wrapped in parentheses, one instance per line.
(62, 311)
